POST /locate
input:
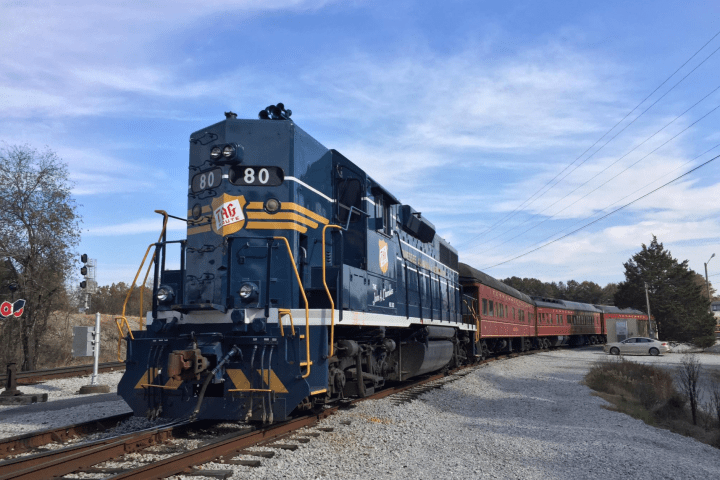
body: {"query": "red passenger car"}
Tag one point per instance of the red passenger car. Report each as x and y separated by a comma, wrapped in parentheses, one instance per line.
(505, 316)
(561, 322)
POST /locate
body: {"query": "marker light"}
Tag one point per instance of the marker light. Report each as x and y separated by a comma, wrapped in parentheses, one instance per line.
(247, 290)
(229, 151)
(165, 294)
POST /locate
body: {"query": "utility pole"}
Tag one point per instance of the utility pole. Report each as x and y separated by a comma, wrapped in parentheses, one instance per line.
(707, 283)
(653, 332)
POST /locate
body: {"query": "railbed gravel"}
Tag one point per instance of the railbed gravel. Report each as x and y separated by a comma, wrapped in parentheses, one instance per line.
(526, 417)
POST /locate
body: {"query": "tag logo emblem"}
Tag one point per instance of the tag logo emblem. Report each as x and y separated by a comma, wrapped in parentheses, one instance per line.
(228, 217)
(383, 256)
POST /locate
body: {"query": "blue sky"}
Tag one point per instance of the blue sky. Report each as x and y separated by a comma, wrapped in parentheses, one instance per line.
(462, 109)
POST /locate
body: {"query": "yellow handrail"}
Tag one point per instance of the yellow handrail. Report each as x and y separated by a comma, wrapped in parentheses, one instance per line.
(281, 313)
(120, 337)
(307, 310)
(162, 234)
(332, 303)
(132, 287)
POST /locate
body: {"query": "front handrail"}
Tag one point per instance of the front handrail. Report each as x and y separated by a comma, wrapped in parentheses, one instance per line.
(307, 309)
(122, 320)
(282, 312)
(327, 290)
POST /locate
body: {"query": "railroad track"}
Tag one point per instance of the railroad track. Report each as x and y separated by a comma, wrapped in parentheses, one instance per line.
(35, 376)
(214, 447)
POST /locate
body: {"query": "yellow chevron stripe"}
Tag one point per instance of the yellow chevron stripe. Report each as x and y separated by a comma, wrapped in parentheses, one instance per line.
(290, 206)
(148, 377)
(203, 229)
(173, 384)
(281, 216)
(305, 211)
(275, 226)
(273, 382)
(238, 379)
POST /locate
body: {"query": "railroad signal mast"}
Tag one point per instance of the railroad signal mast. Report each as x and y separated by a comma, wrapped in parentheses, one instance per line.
(89, 284)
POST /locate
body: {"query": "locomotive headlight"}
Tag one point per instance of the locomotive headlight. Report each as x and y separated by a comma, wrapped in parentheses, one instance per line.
(165, 294)
(229, 151)
(247, 291)
(216, 152)
(272, 205)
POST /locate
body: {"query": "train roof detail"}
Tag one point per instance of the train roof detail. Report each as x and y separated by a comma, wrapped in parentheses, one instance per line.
(566, 304)
(617, 310)
(469, 273)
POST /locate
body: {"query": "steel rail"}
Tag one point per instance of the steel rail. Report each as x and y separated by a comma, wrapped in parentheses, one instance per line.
(24, 443)
(227, 446)
(34, 376)
(78, 458)
(67, 460)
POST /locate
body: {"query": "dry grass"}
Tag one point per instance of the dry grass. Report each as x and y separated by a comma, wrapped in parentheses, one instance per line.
(649, 394)
(57, 341)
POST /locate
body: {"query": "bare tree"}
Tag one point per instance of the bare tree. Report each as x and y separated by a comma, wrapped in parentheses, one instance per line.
(715, 394)
(689, 373)
(39, 228)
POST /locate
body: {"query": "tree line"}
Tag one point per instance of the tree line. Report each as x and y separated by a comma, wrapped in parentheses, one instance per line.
(573, 291)
(40, 230)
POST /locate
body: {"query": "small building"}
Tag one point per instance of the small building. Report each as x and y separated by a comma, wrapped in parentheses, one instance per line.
(622, 323)
(715, 308)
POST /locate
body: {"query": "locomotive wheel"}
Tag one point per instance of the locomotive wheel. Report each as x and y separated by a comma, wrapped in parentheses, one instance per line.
(654, 352)
(614, 351)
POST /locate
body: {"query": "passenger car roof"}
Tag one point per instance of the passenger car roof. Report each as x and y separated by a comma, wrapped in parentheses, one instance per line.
(470, 274)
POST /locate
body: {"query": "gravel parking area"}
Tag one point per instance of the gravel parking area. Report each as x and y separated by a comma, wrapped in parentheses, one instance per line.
(527, 417)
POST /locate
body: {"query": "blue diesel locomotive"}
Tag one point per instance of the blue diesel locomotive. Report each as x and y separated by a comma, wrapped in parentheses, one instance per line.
(302, 282)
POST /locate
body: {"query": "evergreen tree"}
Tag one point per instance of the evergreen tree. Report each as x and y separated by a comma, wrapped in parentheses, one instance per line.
(677, 303)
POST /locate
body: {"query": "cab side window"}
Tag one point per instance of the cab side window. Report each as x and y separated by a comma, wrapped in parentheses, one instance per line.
(349, 195)
(382, 214)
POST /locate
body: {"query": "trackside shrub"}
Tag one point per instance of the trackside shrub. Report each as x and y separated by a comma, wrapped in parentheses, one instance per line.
(649, 394)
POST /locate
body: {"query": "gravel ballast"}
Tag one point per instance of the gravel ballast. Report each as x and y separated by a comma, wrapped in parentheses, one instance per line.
(64, 391)
(527, 417)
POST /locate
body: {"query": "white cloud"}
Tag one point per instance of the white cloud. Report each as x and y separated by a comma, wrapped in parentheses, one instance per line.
(148, 225)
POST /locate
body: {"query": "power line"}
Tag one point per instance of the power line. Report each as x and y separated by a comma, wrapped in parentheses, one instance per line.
(604, 216)
(616, 161)
(630, 194)
(511, 214)
(616, 175)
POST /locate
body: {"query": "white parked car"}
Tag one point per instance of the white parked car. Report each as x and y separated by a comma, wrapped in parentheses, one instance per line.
(638, 346)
